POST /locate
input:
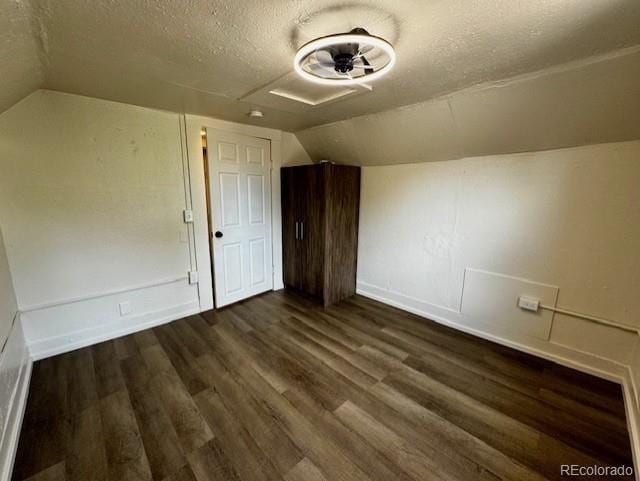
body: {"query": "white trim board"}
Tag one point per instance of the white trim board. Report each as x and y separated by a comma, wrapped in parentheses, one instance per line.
(61, 328)
(193, 126)
(18, 408)
(633, 417)
(612, 371)
(17, 401)
(582, 361)
(47, 305)
(69, 342)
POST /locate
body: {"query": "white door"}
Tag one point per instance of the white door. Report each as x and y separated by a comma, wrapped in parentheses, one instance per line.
(240, 185)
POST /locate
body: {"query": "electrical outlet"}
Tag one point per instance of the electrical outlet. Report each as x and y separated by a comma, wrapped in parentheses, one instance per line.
(529, 303)
(125, 308)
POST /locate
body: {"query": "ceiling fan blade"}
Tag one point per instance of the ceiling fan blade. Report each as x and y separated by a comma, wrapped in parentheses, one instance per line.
(368, 69)
(324, 57)
(320, 69)
(363, 50)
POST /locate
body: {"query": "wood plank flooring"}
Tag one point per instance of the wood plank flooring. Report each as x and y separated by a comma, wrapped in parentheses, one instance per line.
(278, 388)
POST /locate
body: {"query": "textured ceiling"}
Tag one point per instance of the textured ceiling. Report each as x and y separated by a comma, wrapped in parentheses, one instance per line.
(201, 56)
(579, 104)
(21, 69)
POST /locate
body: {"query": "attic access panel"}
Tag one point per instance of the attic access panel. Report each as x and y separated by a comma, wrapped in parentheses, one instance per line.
(293, 94)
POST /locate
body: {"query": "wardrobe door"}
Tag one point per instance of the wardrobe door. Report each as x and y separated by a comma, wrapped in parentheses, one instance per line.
(342, 211)
(312, 230)
(291, 212)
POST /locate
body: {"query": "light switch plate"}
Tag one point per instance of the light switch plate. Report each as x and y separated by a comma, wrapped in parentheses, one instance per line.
(125, 308)
(193, 277)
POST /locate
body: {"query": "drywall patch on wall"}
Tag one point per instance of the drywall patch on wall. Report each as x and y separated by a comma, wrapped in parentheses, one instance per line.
(492, 299)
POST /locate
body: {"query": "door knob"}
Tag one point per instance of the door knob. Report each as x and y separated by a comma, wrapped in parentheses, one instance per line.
(218, 234)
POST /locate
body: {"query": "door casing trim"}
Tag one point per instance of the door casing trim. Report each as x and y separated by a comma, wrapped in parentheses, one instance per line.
(193, 124)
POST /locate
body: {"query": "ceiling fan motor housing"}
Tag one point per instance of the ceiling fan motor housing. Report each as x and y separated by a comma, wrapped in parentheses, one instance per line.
(344, 62)
(344, 58)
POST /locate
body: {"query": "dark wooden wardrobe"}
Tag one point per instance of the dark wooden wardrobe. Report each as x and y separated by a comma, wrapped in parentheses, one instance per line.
(320, 205)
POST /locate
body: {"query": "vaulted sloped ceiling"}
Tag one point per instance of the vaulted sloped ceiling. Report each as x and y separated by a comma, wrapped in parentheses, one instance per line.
(219, 58)
(21, 69)
(580, 104)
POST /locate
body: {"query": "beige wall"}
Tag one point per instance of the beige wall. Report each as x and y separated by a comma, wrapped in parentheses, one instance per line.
(92, 196)
(91, 201)
(566, 217)
(292, 151)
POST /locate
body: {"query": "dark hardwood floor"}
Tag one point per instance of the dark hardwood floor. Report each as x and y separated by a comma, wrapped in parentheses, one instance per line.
(278, 388)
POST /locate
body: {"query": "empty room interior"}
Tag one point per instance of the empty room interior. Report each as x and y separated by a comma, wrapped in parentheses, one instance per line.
(295, 240)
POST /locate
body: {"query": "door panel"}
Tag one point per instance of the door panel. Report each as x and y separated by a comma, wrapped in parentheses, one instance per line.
(291, 197)
(229, 199)
(240, 180)
(312, 230)
(255, 189)
(256, 258)
(232, 259)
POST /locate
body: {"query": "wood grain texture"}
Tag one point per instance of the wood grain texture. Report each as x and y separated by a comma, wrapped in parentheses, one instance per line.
(311, 188)
(291, 214)
(320, 257)
(342, 191)
(278, 387)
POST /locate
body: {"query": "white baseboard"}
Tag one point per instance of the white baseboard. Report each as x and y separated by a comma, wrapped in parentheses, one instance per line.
(15, 358)
(12, 437)
(582, 361)
(65, 326)
(579, 360)
(633, 418)
(70, 341)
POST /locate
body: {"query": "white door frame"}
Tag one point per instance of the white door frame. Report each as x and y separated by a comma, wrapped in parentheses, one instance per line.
(193, 145)
(240, 166)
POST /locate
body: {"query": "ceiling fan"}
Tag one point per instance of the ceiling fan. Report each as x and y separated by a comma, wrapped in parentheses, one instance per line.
(344, 59)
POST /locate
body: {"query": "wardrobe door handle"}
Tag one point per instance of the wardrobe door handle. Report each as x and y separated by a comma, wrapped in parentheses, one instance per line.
(301, 230)
(296, 231)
